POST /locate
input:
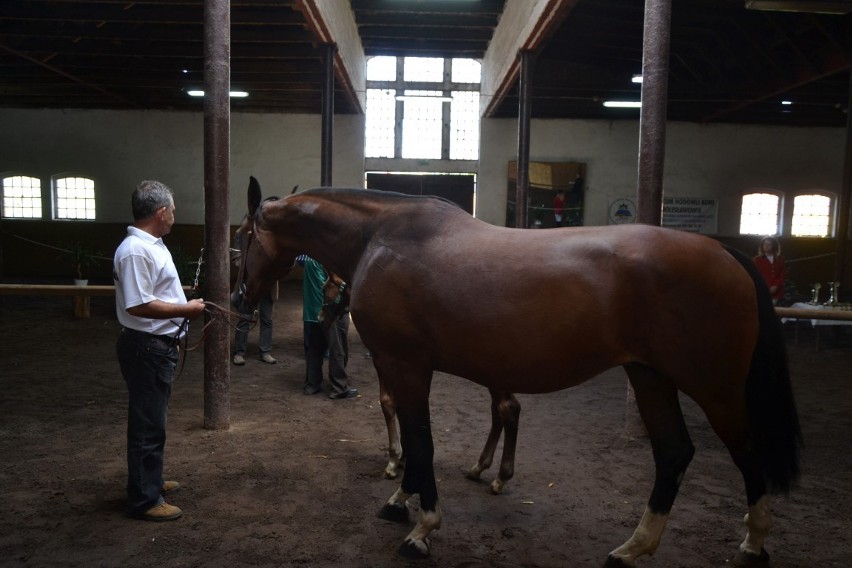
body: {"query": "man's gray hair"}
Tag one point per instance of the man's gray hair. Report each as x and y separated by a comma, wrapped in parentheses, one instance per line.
(148, 197)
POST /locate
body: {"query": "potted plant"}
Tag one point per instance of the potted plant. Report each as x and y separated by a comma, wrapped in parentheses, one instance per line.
(82, 258)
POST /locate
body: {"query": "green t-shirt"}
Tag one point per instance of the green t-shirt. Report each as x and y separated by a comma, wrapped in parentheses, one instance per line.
(313, 280)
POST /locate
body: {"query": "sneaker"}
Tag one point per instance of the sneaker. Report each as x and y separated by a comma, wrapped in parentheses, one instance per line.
(267, 358)
(161, 513)
(169, 487)
(239, 360)
(348, 393)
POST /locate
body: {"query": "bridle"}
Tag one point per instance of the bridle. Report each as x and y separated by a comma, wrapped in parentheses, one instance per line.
(214, 310)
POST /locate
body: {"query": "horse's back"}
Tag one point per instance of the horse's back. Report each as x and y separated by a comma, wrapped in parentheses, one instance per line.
(497, 304)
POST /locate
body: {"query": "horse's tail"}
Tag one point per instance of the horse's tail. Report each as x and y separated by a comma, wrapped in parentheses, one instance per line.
(773, 420)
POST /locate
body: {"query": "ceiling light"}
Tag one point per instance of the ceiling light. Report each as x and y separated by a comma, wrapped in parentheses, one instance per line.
(786, 102)
(423, 98)
(234, 94)
(622, 104)
(637, 78)
(816, 6)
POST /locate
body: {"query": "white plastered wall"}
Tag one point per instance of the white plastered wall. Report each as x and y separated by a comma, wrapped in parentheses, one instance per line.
(718, 161)
(119, 148)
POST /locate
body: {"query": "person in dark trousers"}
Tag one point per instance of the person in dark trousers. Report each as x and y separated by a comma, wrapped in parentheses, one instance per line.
(318, 340)
(154, 312)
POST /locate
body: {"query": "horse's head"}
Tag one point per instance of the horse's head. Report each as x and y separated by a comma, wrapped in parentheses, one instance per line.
(259, 268)
(335, 299)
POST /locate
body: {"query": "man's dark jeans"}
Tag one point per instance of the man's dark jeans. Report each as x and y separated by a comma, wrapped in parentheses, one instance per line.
(148, 365)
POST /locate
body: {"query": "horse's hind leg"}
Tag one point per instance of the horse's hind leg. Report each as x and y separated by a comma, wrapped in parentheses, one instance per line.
(505, 413)
(659, 407)
(758, 520)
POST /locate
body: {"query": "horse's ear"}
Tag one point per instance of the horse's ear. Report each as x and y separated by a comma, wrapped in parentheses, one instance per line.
(254, 195)
(295, 187)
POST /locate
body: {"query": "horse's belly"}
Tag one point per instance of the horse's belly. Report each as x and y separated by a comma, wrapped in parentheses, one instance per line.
(531, 372)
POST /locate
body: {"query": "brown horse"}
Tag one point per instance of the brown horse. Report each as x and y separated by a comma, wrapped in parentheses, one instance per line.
(505, 408)
(680, 313)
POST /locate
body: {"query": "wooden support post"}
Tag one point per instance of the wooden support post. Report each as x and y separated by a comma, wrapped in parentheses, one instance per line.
(81, 306)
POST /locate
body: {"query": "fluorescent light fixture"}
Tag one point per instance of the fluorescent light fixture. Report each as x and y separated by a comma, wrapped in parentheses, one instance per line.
(423, 98)
(622, 104)
(786, 102)
(814, 6)
(234, 94)
(637, 78)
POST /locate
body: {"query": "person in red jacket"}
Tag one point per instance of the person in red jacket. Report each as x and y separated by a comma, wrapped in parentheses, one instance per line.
(772, 267)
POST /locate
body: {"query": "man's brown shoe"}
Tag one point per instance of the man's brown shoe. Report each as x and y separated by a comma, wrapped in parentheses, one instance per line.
(169, 486)
(161, 513)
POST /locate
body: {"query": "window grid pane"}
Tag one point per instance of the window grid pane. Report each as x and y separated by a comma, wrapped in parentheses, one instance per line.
(422, 125)
(381, 68)
(466, 71)
(426, 125)
(759, 215)
(811, 216)
(21, 197)
(423, 69)
(75, 198)
(464, 126)
(380, 125)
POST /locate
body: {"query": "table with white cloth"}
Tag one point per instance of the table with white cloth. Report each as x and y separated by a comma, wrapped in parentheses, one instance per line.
(818, 323)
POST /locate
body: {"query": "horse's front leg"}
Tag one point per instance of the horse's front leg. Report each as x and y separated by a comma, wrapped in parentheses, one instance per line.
(395, 460)
(505, 412)
(412, 407)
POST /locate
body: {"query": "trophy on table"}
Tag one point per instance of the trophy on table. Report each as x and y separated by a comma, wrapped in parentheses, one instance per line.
(835, 291)
(815, 294)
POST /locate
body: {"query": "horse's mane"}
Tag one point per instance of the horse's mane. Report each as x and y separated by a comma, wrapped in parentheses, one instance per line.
(380, 194)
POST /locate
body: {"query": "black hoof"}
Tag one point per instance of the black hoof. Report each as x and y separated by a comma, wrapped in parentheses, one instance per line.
(411, 551)
(395, 513)
(749, 560)
(613, 562)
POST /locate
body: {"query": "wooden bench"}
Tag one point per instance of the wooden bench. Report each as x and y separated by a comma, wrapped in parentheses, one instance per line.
(80, 295)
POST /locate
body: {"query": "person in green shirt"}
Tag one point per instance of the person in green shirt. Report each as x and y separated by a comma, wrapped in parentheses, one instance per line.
(318, 340)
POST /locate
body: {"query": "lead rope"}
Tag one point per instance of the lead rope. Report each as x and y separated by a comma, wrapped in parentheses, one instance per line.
(210, 308)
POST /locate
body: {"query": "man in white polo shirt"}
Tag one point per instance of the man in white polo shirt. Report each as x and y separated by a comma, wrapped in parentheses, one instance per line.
(152, 307)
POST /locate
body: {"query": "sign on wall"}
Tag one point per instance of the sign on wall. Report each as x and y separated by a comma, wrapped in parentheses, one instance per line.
(622, 211)
(692, 214)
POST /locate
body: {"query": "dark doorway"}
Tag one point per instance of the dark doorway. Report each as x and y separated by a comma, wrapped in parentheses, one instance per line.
(455, 188)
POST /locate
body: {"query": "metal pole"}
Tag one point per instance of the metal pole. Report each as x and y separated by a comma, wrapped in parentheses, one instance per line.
(652, 121)
(523, 177)
(327, 115)
(217, 117)
(842, 235)
(652, 142)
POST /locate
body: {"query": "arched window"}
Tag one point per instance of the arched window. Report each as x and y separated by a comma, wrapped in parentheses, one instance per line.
(73, 198)
(812, 215)
(21, 197)
(760, 213)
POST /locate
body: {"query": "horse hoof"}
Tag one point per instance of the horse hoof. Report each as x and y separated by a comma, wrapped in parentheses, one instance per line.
(496, 487)
(394, 513)
(751, 560)
(472, 473)
(613, 562)
(390, 474)
(414, 549)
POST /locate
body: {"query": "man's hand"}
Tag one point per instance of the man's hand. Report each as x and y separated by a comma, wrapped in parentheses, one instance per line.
(194, 308)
